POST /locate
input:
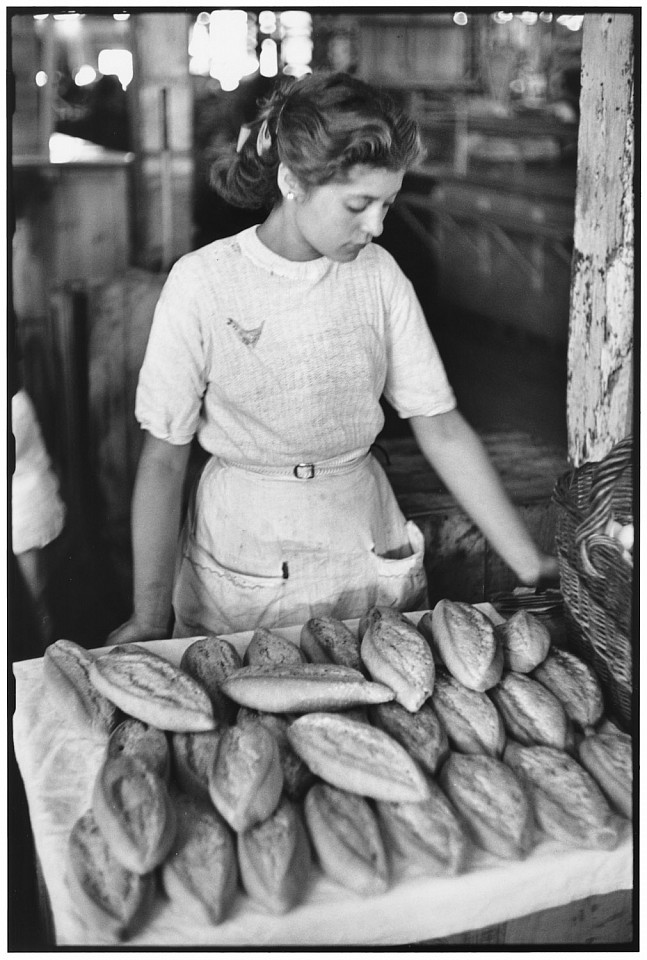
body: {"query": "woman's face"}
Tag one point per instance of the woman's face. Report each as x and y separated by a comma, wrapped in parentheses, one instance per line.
(337, 220)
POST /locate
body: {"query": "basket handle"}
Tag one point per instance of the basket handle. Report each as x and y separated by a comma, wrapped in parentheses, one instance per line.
(605, 477)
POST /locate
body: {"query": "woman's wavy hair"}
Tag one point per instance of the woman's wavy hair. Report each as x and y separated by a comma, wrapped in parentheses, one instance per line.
(319, 126)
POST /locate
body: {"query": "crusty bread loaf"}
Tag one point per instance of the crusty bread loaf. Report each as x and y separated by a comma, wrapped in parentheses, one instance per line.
(111, 898)
(274, 859)
(574, 684)
(193, 758)
(134, 812)
(357, 757)
(397, 655)
(209, 660)
(326, 640)
(67, 676)
(346, 837)
(525, 641)
(201, 872)
(567, 803)
(427, 835)
(378, 613)
(134, 738)
(608, 758)
(472, 722)
(269, 648)
(297, 776)
(465, 641)
(154, 690)
(491, 802)
(530, 712)
(246, 779)
(421, 733)
(301, 687)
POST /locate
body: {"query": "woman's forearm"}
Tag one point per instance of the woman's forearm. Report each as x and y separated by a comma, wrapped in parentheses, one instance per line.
(156, 508)
(458, 456)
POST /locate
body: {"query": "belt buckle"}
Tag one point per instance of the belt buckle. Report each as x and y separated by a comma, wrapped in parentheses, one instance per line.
(304, 471)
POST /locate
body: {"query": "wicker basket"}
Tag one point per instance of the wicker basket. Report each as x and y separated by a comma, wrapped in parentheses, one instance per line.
(596, 575)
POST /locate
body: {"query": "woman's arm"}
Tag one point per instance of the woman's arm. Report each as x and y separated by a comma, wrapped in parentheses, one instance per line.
(157, 501)
(456, 453)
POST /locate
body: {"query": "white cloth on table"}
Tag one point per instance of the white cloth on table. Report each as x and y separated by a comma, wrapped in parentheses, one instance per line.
(37, 511)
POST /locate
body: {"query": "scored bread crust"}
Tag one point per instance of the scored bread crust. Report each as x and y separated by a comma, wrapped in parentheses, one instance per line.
(568, 804)
(301, 687)
(209, 660)
(193, 758)
(246, 778)
(66, 666)
(357, 757)
(491, 801)
(472, 722)
(525, 641)
(398, 655)
(378, 613)
(608, 758)
(347, 839)
(134, 738)
(274, 859)
(153, 690)
(421, 734)
(134, 813)
(530, 712)
(428, 833)
(574, 684)
(297, 776)
(269, 647)
(464, 639)
(110, 897)
(327, 640)
(201, 872)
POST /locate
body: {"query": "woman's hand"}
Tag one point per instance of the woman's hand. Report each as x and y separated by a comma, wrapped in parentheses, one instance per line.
(546, 575)
(133, 631)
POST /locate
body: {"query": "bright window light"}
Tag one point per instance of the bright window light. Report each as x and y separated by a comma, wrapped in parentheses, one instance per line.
(41, 78)
(230, 58)
(571, 23)
(528, 17)
(460, 18)
(267, 21)
(117, 63)
(85, 75)
(269, 62)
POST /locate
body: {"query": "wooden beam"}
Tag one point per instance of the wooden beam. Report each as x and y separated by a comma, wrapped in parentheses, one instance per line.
(600, 350)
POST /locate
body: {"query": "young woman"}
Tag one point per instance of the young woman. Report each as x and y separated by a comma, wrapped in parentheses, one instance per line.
(274, 347)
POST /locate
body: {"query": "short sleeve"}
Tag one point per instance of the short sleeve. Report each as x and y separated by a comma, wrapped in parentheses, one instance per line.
(172, 379)
(416, 382)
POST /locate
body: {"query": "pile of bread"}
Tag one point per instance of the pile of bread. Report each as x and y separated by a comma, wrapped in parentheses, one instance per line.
(394, 747)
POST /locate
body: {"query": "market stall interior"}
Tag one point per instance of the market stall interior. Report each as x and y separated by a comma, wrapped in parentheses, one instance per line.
(117, 119)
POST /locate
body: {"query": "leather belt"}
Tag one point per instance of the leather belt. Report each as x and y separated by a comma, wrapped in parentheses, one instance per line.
(302, 471)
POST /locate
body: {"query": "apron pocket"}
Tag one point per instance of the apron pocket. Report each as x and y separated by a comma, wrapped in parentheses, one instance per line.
(403, 583)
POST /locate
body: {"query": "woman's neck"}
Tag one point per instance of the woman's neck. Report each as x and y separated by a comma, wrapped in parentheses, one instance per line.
(280, 234)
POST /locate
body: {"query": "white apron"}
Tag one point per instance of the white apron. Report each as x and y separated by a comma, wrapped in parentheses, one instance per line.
(269, 549)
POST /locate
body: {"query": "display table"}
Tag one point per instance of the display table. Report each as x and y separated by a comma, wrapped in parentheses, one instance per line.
(59, 762)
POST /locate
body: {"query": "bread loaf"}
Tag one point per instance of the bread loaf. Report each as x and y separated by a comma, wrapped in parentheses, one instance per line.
(152, 689)
(491, 802)
(269, 648)
(326, 640)
(209, 660)
(297, 776)
(346, 838)
(608, 758)
(201, 872)
(470, 719)
(574, 684)
(567, 803)
(134, 813)
(194, 755)
(274, 859)
(379, 613)
(113, 899)
(302, 687)
(246, 779)
(421, 733)
(426, 835)
(357, 757)
(525, 641)
(67, 676)
(530, 712)
(465, 641)
(134, 738)
(397, 655)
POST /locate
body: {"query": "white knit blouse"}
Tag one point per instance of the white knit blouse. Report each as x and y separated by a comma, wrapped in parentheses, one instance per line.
(275, 362)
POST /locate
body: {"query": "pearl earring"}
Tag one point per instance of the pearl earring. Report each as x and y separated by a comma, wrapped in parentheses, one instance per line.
(289, 195)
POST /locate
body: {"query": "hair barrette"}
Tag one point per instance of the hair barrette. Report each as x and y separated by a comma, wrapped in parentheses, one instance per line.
(264, 139)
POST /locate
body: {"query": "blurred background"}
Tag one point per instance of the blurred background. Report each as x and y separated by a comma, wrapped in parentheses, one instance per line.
(117, 117)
